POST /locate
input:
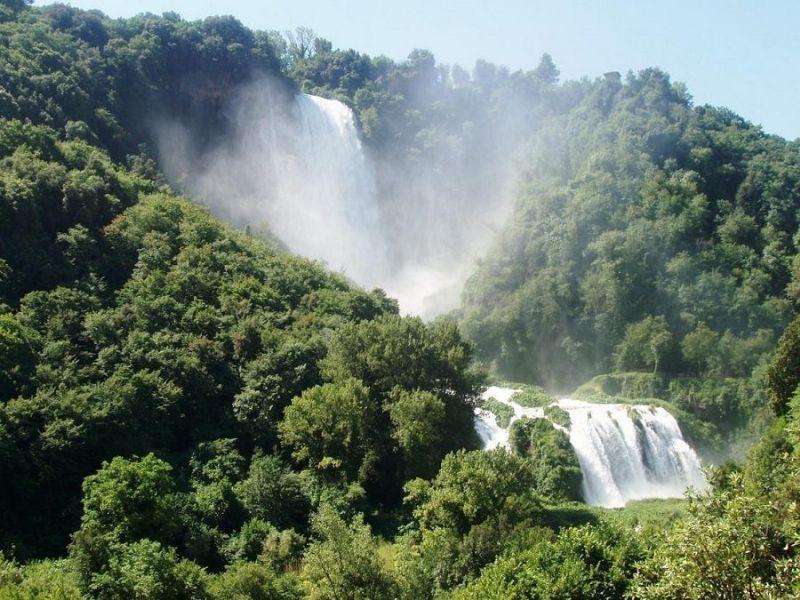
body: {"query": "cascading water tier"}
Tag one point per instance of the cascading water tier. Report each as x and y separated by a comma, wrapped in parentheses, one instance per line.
(626, 452)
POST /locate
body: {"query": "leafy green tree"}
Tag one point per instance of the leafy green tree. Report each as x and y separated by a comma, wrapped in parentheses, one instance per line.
(131, 499)
(124, 502)
(581, 563)
(10, 8)
(471, 487)
(253, 581)
(646, 345)
(783, 375)
(557, 473)
(18, 345)
(391, 352)
(46, 579)
(418, 426)
(699, 348)
(145, 569)
(342, 562)
(271, 380)
(728, 547)
(331, 429)
(273, 493)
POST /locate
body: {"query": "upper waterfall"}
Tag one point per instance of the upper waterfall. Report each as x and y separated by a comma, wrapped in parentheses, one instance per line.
(296, 168)
(327, 206)
(626, 452)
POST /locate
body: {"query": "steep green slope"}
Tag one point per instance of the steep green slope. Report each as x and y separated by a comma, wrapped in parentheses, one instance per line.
(132, 322)
(649, 234)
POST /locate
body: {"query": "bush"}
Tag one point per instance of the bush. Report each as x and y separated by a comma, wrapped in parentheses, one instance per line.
(144, 570)
(253, 581)
(343, 561)
(646, 345)
(532, 396)
(583, 563)
(556, 470)
(502, 412)
(783, 374)
(42, 580)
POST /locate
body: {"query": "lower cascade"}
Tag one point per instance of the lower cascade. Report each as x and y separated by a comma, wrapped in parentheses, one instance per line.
(626, 452)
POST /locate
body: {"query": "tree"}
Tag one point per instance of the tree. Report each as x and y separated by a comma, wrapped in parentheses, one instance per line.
(783, 374)
(418, 426)
(700, 346)
(17, 355)
(273, 493)
(331, 429)
(145, 569)
(646, 344)
(10, 8)
(125, 502)
(557, 472)
(302, 43)
(471, 487)
(131, 499)
(730, 546)
(582, 563)
(392, 352)
(546, 71)
(254, 581)
(342, 563)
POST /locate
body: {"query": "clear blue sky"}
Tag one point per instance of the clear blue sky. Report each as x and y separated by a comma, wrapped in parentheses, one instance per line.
(744, 55)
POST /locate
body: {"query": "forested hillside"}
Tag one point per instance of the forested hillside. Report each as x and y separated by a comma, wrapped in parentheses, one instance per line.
(650, 234)
(187, 411)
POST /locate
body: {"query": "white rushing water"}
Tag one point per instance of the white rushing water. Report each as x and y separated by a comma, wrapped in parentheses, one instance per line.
(294, 167)
(326, 204)
(626, 452)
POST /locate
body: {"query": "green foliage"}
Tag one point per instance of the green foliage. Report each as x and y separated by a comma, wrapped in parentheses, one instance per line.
(342, 561)
(626, 385)
(419, 426)
(699, 348)
(273, 493)
(651, 517)
(783, 375)
(557, 415)
(131, 499)
(124, 502)
(581, 563)
(641, 220)
(645, 345)
(471, 487)
(17, 355)
(739, 540)
(330, 428)
(133, 324)
(728, 547)
(532, 397)
(145, 569)
(40, 580)
(502, 412)
(392, 351)
(253, 581)
(556, 471)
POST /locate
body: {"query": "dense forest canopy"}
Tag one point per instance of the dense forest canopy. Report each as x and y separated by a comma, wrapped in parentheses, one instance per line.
(649, 234)
(187, 410)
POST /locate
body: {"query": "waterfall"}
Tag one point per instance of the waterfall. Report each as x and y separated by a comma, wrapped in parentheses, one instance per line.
(325, 204)
(626, 452)
(295, 166)
(292, 168)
